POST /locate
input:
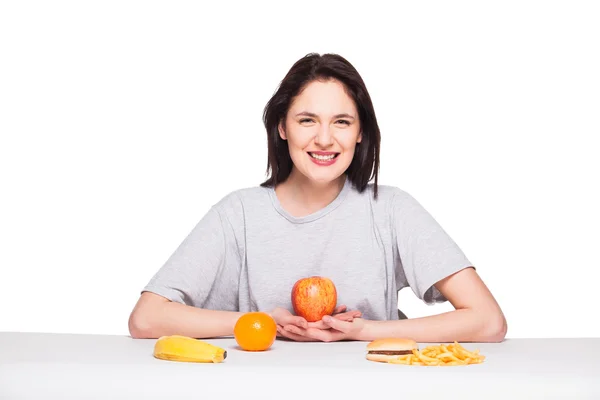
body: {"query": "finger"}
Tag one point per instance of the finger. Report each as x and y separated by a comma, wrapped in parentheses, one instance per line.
(295, 330)
(294, 320)
(281, 332)
(339, 312)
(337, 324)
(340, 309)
(321, 325)
(317, 325)
(348, 316)
(287, 336)
(294, 336)
(308, 333)
(323, 335)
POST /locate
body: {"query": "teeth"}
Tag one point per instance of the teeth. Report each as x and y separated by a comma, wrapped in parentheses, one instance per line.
(322, 158)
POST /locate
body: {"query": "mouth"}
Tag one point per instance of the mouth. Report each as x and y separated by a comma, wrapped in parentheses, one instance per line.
(323, 156)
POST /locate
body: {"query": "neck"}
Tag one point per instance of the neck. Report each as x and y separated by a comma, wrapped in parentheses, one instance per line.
(300, 196)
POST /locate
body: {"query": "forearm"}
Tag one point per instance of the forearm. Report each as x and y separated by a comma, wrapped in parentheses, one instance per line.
(171, 318)
(462, 325)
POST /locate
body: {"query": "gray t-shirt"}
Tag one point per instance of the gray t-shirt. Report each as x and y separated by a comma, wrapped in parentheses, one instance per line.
(247, 252)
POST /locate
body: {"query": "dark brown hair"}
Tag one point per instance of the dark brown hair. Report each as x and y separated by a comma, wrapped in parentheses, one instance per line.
(312, 67)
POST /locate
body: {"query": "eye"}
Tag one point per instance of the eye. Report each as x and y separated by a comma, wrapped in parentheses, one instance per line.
(343, 122)
(306, 120)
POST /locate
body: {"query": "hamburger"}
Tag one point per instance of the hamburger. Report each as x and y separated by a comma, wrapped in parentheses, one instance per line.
(383, 350)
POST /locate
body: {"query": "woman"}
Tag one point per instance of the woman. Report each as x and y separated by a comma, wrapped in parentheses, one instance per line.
(318, 214)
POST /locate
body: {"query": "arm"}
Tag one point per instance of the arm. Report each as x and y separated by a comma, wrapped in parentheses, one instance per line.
(430, 257)
(175, 299)
(154, 316)
(435, 268)
(477, 316)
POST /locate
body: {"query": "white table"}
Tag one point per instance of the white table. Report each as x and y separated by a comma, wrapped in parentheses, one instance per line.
(64, 366)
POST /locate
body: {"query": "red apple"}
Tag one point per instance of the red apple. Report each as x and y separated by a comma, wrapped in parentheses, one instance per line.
(314, 297)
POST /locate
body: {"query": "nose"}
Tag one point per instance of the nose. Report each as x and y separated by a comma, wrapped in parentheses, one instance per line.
(324, 136)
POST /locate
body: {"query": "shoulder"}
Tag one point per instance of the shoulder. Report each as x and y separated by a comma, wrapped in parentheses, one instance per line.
(238, 200)
(231, 210)
(391, 202)
(387, 195)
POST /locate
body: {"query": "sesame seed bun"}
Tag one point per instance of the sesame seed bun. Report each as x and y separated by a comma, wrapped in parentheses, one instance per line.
(389, 345)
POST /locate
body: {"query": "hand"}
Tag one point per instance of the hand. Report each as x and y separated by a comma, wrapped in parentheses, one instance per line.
(283, 317)
(336, 330)
(310, 331)
(339, 313)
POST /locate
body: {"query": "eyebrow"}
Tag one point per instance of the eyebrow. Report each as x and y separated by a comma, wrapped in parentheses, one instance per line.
(313, 115)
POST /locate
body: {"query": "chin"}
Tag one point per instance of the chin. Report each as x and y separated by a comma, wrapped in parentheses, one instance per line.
(322, 175)
(324, 178)
(323, 182)
(327, 174)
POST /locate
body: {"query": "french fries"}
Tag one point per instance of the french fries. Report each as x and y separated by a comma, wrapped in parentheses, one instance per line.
(442, 355)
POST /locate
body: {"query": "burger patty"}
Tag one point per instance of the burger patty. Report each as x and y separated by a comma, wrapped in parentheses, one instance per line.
(391, 353)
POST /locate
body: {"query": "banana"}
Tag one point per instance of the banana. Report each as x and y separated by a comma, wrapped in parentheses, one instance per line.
(187, 349)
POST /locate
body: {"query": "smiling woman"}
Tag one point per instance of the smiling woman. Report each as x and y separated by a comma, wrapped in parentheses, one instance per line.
(323, 139)
(321, 129)
(323, 109)
(320, 212)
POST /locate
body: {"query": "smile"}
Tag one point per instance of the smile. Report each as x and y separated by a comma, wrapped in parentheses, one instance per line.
(323, 158)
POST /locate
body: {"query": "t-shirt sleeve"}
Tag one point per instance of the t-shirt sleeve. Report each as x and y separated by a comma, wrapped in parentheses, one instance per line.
(196, 266)
(427, 253)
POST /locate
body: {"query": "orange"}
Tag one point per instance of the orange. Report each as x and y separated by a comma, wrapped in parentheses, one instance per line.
(255, 331)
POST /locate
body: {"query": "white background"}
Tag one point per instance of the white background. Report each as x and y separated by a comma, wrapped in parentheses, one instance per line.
(122, 122)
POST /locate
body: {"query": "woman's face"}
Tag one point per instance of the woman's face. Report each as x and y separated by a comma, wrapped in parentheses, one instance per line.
(322, 130)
